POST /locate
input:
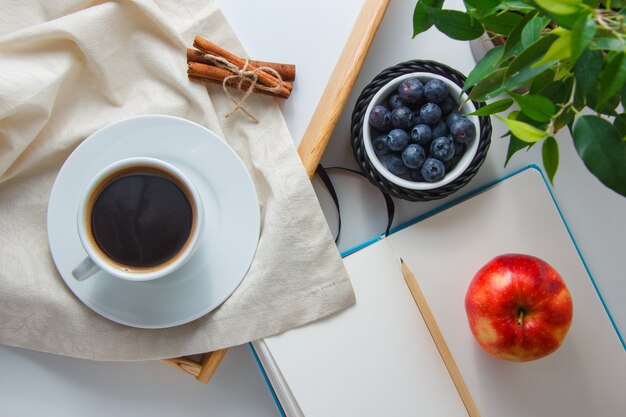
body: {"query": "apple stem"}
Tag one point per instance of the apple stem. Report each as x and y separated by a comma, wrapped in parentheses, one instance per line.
(520, 317)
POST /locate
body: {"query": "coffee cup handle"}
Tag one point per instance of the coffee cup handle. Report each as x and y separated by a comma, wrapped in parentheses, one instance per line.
(85, 269)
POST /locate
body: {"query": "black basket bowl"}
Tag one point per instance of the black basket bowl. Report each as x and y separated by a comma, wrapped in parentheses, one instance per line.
(362, 158)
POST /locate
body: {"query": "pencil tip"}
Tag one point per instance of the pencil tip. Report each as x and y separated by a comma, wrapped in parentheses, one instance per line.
(401, 260)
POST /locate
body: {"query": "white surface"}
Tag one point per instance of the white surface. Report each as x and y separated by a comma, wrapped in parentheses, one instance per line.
(223, 256)
(39, 384)
(311, 35)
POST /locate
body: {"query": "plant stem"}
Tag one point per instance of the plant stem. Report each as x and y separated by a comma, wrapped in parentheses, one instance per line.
(608, 19)
(563, 108)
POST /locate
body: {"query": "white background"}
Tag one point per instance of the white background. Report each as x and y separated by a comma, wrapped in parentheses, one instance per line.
(311, 34)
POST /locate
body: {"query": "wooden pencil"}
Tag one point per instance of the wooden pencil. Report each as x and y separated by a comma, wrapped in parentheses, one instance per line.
(440, 342)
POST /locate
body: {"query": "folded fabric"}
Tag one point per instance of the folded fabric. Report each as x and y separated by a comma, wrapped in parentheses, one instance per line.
(68, 68)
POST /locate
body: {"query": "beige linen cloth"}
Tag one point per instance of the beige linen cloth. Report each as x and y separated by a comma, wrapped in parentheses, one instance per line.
(68, 68)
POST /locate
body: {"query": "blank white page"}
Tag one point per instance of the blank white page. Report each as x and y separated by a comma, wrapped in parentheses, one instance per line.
(373, 359)
(587, 374)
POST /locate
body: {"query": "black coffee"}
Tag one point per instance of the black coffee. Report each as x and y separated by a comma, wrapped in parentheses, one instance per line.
(141, 219)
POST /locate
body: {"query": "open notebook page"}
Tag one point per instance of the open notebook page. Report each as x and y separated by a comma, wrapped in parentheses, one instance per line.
(586, 375)
(373, 359)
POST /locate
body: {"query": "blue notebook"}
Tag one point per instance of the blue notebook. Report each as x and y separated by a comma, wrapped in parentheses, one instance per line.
(377, 357)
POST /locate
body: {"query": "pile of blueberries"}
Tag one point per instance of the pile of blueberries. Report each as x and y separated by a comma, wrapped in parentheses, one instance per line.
(417, 132)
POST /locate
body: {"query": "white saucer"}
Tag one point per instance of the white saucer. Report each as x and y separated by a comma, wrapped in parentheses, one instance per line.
(232, 222)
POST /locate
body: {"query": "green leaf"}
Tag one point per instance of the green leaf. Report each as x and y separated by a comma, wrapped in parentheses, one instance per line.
(580, 100)
(515, 145)
(582, 34)
(532, 31)
(483, 4)
(603, 151)
(610, 44)
(513, 44)
(521, 117)
(560, 50)
(561, 7)
(492, 108)
(524, 131)
(421, 19)
(520, 4)
(456, 25)
(623, 94)
(620, 124)
(550, 156)
(613, 78)
(587, 70)
(541, 80)
(593, 100)
(522, 77)
(557, 91)
(484, 67)
(530, 55)
(536, 107)
(501, 23)
(563, 20)
(490, 87)
(513, 116)
(564, 119)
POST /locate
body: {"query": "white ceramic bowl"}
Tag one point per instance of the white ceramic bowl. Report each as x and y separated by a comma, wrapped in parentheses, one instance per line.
(381, 96)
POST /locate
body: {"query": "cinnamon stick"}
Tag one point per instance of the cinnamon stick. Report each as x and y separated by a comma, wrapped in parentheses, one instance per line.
(286, 71)
(204, 79)
(217, 75)
(213, 49)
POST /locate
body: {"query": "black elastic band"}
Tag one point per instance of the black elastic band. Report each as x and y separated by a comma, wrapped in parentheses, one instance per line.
(391, 208)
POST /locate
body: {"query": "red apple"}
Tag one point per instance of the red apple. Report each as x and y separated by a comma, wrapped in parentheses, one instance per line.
(518, 308)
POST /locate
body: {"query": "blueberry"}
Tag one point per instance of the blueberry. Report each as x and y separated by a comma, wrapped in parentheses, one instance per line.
(442, 148)
(449, 165)
(397, 139)
(415, 175)
(411, 90)
(435, 91)
(451, 118)
(413, 156)
(433, 170)
(402, 117)
(462, 130)
(380, 118)
(395, 101)
(421, 134)
(430, 113)
(380, 145)
(459, 148)
(395, 165)
(439, 129)
(447, 105)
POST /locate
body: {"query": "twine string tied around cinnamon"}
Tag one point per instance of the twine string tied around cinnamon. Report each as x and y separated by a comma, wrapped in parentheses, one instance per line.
(241, 76)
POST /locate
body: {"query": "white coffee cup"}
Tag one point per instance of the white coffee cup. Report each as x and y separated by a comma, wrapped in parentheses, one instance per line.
(97, 258)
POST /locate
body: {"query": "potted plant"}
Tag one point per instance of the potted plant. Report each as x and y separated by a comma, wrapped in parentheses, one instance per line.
(563, 62)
